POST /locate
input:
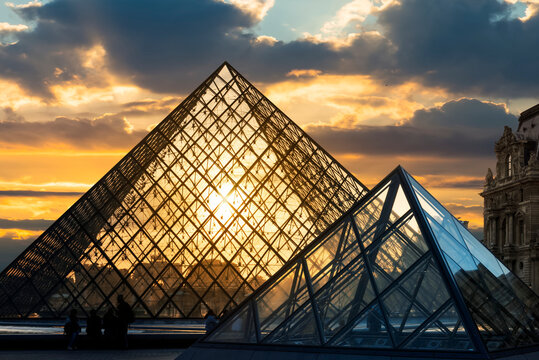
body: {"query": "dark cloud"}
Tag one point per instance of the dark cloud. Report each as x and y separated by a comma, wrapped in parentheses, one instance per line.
(153, 104)
(108, 131)
(478, 233)
(448, 131)
(27, 224)
(465, 45)
(465, 113)
(456, 183)
(470, 46)
(401, 140)
(167, 46)
(11, 115)
(11, 248)
(30, 193)
(372, 101)
(150, 106)
(460, 208)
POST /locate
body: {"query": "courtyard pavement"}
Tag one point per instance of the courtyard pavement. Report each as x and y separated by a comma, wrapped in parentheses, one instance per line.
(135, 354)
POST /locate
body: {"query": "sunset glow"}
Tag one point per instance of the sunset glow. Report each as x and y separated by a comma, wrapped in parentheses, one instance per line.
(364, 79)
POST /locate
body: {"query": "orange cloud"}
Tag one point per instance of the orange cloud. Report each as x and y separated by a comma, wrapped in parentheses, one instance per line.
(19, 234)
(34, 208)
(304, 73)
(350, 100)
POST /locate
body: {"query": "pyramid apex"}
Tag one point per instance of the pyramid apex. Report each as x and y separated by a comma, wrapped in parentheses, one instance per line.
(401, 170)
(225, 64)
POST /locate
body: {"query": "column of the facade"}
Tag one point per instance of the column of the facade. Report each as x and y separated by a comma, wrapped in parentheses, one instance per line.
(506, 234)
(510, 230)
(492, 233)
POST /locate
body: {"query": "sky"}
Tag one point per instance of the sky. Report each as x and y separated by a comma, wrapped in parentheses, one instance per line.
(425, 84)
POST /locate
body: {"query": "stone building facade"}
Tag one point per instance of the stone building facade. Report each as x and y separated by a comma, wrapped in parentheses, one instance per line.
(511, 227)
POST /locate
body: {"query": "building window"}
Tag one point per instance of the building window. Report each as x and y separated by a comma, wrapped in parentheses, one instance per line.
(521, 265)
(509, 166)
(521, 195)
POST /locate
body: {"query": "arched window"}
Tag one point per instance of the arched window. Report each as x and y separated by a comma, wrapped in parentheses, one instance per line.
(509, 166)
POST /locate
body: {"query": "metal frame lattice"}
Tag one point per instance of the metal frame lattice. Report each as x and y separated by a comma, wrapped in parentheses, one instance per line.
(210, 204)
(396, 275)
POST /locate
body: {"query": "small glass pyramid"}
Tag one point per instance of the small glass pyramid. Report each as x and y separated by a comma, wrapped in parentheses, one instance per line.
(396, 273)
(210, 204)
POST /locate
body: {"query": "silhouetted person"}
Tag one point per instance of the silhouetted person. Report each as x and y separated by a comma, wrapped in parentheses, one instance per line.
(125, 317)
(72, 329)
(93, 328)
(110, 325)
(210, 321)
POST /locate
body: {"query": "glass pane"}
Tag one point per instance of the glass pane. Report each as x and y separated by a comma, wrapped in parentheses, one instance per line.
(369, 214)
(283, 299)
(395, 254)
(400, 206)
(347, 295)
(452, 248)
(445, 332)
(238, 329)
(299, 329)
(433, 209)
(433, 292)
(481, 253)
(278, 294)
(368, 331)
(498, 327)
(349, 249)
(320, 261)
(414, 299)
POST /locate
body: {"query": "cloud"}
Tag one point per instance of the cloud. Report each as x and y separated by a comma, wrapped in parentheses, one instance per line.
(29, 5)
(455, 182)
(146, 106)
(6, 28)
(352, 12)
(304, 73)
(11, 116)
(26, 224)
(104, 132)
(454, 207)
(32, 193)
(465, 114)
(256, 8)
(464, 45)
(153, 43)
(11, 248)
(400, 140)
(446, 131)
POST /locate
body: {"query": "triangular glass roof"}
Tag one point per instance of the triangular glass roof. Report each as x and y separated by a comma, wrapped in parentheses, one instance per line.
(399, 273)
(210, 204)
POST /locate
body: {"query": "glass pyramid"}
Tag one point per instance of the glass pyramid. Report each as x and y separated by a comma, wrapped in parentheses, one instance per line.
(210, 204)
(398, 273)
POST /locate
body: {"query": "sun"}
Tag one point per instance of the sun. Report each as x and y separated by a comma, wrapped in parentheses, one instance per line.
(224, 202)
